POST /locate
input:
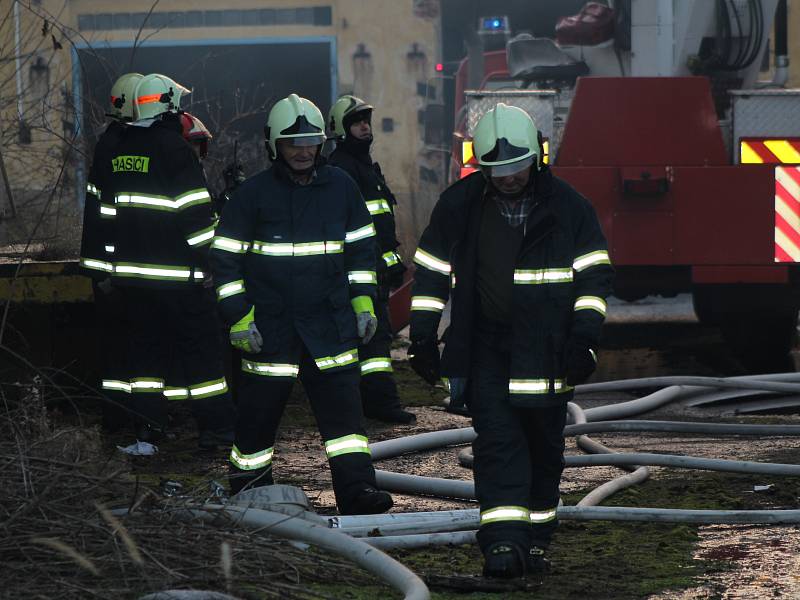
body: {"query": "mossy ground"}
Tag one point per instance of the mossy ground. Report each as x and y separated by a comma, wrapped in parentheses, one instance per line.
(591, 559)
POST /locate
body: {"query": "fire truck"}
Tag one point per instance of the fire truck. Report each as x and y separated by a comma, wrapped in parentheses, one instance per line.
(653, 111)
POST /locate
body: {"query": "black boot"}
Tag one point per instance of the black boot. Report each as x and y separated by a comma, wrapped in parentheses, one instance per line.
(147, 432)
(368, 501)
(395, 414)
(504, 560)
(537, 563)
(212, 439)
(239, 480)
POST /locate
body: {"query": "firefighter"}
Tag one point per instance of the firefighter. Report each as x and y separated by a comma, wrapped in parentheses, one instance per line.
(294, 269)
(196, 133)
(523, 258)
(350, 123)
(97, 255)
(164, 225)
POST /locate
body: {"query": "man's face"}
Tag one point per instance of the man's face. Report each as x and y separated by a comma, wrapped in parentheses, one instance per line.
(514, 183)
(299, 158)
(361, 130)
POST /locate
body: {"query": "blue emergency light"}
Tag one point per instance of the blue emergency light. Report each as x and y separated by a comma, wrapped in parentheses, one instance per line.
(494, 24)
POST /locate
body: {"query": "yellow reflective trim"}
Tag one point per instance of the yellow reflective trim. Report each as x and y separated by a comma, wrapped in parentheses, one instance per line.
(783, 150)
(537, 276)
(378, 207)
(93, 189)
(598, 257)
(201, 237)
(359, 234)
(176, 393)
(147, 384)
(230, 289)
(146, 271)
(208, 389)
(390, 258)
(381, 364)
(429, 261)
(591, 303)
(116, 385)
(748, 155)
(543, 516)
(229, 245)
(270, 369)
(347, 445)
(96, 265)
(430, 303)
(505, 513)
(536, 386)
(107, 211)
(362, 277)
(345, 358)
(249, 462)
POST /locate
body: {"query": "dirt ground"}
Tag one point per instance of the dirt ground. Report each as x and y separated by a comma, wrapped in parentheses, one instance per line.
(752, 561)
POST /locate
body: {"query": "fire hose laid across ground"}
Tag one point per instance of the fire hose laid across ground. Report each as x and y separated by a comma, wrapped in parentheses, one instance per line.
(284, 511)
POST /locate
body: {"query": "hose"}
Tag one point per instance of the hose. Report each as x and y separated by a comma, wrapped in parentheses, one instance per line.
(371, 559)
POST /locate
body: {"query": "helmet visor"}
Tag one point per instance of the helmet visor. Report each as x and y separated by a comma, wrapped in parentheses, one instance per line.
(306, 140)
(510, 168)
(302, 126)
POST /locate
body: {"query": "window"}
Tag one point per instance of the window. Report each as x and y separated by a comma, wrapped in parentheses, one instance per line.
(318, 16)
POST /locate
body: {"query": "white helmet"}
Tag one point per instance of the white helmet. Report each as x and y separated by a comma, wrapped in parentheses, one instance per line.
(157, 94)
(506, 141)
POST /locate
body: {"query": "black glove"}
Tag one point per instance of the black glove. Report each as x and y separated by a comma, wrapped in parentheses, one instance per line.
(423, 355)
(580, 359)
(394, 275)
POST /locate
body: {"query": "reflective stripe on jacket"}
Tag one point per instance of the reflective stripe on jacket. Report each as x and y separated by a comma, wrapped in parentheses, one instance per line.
(298, 253)
(561, 279)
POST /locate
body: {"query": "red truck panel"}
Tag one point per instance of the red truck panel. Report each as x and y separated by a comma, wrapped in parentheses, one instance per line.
(707, 216)
(618, 121)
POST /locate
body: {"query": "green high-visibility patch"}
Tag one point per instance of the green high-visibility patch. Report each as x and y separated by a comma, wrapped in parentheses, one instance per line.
(136, 164)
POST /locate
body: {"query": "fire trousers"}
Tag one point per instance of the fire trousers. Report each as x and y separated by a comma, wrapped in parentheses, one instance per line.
(336, 404)
(518, 454)
(112, 325)
(175, 354)
(378, 388)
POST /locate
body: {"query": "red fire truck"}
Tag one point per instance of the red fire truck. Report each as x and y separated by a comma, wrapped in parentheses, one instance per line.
(653, 111)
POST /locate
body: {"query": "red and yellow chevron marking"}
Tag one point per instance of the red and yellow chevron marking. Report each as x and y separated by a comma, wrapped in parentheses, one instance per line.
(787, 214)
(770, 151)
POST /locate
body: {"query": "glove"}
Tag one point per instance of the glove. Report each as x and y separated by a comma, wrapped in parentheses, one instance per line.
(394, 275)
(423, 355)
(581, 360)
(245, 336)
(366, 322)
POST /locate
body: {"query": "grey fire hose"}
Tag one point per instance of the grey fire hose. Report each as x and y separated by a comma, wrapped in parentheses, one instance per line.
(371, 559)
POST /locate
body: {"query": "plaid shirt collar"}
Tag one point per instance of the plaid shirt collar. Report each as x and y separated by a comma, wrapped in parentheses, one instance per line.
(515, 211)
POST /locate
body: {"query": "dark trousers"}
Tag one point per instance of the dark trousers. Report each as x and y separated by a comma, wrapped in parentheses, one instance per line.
(175, 354)
(378, 388)
(336, 404)
(112, 326)
(518, 453)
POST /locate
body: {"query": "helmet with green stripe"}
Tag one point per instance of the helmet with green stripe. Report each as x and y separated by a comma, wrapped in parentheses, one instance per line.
(297, 119)
(157, 94)
(344, 113)
(506, 141)
(122, 95)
